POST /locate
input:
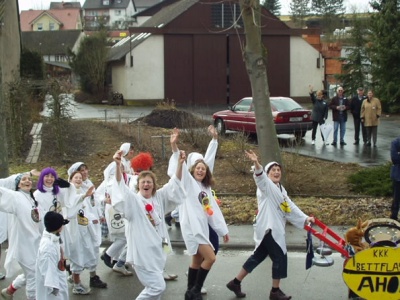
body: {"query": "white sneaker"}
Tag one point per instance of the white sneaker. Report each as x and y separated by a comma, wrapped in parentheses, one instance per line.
(169, 277)
(5, 295)
(2, 276)
(312, 142)
(203, 291)
(122, 270)
(79, 289)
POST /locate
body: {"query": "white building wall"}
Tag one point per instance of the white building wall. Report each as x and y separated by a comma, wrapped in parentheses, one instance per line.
(145, 80)
(303, 67)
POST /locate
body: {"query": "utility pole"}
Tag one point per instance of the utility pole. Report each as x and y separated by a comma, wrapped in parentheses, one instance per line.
(10, 53)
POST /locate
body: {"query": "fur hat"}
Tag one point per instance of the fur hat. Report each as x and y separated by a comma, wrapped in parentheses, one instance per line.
(53, 221)
(142, 162)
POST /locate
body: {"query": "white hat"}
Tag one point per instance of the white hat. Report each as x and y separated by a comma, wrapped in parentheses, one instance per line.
(125, 148)
(74, 167)
(193, 157)
(269, 166)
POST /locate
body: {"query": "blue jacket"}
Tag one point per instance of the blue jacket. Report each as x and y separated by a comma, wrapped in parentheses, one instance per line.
(395, 157)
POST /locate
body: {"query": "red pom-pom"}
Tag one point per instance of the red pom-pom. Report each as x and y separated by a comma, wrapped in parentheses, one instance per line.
(142, 162)
(149, 207)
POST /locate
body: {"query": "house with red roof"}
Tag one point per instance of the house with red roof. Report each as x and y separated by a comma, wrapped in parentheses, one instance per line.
(51, 20)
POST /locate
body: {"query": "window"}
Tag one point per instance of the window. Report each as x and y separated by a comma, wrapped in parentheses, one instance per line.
(39, 26)
(224, 15)
(52, 26)
(118, 12)
(106, 2)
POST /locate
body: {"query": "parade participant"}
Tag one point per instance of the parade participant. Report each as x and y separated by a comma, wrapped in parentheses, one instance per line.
(85, 239)
(198, 212)
(147, 236)
(274, 208)
(127, 154)
(24, 237)
(51, 279)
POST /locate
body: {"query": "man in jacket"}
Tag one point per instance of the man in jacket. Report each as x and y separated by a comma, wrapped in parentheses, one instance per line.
(339, 105)
(355, 108)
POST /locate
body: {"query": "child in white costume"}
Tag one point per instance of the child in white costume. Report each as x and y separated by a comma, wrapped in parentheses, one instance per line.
(51, 277)
(25, 234)
(146, 233)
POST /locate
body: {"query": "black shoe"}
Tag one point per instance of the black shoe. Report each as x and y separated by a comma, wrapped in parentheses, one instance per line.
(96, 282)
(236, 288)
(177, 224)
(368, 144)
(279, 295)
(343, 144)
(168, 219)
(193, 295)
(356, 143)
(333, 144)
(107, 259)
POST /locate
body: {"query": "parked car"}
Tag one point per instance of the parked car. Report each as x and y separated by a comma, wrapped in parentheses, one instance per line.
(289, 117)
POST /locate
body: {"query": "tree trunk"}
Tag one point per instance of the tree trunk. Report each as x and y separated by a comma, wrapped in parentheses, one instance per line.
(255, 59)
(10, 52)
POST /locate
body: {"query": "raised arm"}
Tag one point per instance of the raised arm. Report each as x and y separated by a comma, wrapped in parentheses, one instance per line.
(253, 157)
(118, 158)
(181, 160)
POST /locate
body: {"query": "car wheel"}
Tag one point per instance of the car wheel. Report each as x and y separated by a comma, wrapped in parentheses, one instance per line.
(219, 124)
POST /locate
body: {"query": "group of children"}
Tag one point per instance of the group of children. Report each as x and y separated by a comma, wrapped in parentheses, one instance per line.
(134, 212)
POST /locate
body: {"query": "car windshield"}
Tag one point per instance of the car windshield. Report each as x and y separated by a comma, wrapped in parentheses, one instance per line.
(285, 105)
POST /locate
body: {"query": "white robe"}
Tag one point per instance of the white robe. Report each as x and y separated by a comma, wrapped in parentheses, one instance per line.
(192, 216)
(83, 241)
(145, 240)
(48, 276)
(25, 234)
(9, 183)
(270, 215)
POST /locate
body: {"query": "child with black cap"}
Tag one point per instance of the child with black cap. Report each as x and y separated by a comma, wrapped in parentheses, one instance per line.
(51, 278)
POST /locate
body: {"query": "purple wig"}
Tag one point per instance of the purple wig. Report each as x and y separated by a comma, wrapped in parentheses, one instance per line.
(40, 184)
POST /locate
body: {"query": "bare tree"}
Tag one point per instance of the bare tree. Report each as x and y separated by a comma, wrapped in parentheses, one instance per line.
(10, 51)
(255, 59)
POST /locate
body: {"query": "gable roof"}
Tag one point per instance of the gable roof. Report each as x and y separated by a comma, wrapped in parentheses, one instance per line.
(98, 4)
(160, 19)
(45, 12)
(145, 3)
(50, 42)
(68, 17)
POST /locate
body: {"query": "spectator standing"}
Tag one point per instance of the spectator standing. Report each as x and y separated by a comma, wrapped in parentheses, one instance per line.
(319, 112)
(395, 176)
(339, 105)
(371, 111)
(355, 109)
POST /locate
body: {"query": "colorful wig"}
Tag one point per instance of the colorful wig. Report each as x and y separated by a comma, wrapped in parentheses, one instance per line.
(142, 162)
(40, 184)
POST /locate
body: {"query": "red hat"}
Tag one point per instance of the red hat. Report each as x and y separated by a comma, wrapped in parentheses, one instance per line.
(142, 162)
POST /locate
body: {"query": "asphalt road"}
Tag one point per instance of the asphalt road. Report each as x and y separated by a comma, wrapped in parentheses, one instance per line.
(316, 283)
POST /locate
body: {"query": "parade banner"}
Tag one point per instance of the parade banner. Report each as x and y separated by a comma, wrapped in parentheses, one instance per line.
(374, 273)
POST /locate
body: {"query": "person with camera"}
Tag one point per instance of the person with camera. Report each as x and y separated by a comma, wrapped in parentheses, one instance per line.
(319, 112)
(339, 105)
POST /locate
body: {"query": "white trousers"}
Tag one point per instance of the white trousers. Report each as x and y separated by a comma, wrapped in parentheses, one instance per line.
(27, 279)
(116, 247)
(154, 284)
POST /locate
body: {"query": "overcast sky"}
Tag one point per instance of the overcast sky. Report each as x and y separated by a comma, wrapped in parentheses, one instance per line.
(361, 5)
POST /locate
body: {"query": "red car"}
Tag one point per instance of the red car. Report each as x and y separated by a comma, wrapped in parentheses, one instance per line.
(289, 117)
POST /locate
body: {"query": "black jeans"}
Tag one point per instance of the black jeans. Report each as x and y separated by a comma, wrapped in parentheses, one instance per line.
(357, 125)
(314, 131)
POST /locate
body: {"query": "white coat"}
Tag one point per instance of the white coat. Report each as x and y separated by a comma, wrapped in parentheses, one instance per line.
(48, 276)
(145, 240)
(271, 215)
(9, 183)
(25, 233)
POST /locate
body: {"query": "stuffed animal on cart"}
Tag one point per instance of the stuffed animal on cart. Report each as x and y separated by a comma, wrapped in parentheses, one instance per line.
(354, 236)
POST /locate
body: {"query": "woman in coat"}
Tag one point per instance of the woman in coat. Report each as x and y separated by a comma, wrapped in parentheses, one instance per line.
(371, 111)
(319, 112)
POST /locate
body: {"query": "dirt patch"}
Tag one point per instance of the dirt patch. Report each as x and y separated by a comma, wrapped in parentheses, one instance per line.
(318, 187)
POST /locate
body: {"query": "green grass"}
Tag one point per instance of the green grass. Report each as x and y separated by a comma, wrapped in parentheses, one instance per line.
(373, 181)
